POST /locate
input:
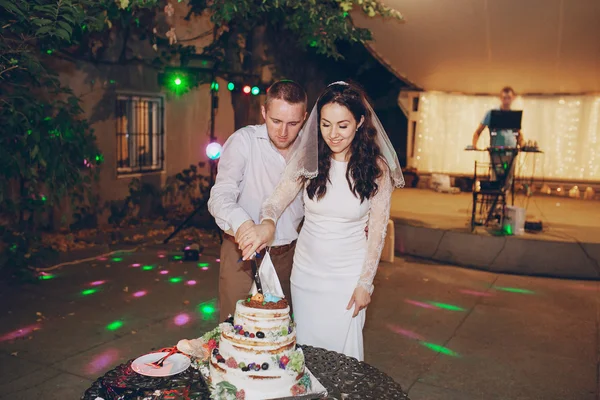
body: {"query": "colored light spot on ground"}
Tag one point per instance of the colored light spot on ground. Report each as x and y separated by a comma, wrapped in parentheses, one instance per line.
(161, 256)
(147, 268)
(514, 290)
(420, 304)
(101, 258)
(140, 293)
(102, 361)
(181, 319)
(46, 276)
(117, 259)
(97, 283)
(177, 257)
(404, 332)
(440, 349)
(202, 265)
(176, 279)
(208, 309)
(204, 268)
(191, 282)
(88, 292)
(164, 272)
(218, 260)
(476, 293)
(136, 265)
(113, 326)
(445, 306)
(19, 333)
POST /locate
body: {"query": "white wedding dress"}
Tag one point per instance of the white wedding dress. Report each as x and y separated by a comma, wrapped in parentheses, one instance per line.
(333, 256)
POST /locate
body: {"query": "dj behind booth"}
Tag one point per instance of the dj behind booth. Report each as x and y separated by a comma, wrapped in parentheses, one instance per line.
(494, 181)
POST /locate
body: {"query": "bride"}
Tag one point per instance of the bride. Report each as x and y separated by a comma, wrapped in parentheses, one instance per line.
(347, 169)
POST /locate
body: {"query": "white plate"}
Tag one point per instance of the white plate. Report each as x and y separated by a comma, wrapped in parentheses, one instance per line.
(173, 365)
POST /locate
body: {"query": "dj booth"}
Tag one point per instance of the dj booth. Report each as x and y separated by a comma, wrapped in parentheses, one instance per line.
(494, 182)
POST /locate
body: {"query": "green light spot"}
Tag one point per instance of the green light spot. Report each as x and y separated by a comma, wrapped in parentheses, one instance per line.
(99, 158)
(112, 81)
(117, 259)
(147, 267)
(46, 277)
(214, 86)
(178, 81)
(313, 43)
(440, 349)
(514, 290)
(83, 27)
(49, 51)
(88, 292)
(207, 309)
(29, 131)
(113, 326)
(201, 265)
(176, 279)
(231, 86)
(345, 14)
(255, 90)
(508, 230)
(44, 198)
(177, 257)
(446, 306)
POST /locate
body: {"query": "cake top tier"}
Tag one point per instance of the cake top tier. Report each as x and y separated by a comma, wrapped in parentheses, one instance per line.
(258, 301)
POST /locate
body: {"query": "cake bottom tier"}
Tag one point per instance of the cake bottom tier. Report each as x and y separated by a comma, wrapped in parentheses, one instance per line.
(257, 385)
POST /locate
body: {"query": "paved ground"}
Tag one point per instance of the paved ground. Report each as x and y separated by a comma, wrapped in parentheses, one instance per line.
(444, 333)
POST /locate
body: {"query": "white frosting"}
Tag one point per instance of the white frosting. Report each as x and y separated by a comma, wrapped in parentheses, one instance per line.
(270, 383)
(255, 389)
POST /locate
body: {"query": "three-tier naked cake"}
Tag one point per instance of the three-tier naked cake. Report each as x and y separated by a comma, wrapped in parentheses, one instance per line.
(256, 355)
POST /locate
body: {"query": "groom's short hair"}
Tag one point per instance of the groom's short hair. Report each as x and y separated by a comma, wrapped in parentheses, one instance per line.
(286, 90)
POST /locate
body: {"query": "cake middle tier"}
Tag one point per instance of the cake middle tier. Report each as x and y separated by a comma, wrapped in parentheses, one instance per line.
(255, 350)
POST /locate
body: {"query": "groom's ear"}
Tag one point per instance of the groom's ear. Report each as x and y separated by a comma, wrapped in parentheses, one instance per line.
(263, 111)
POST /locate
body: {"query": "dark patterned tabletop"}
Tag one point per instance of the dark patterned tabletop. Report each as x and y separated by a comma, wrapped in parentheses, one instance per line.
(344, 377)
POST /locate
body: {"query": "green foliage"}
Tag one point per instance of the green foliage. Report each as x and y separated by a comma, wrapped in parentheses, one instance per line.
(316, 24)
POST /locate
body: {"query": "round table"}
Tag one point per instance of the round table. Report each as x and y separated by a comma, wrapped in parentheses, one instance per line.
(344, 377)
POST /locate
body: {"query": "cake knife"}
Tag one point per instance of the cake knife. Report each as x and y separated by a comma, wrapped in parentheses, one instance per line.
(256, 276)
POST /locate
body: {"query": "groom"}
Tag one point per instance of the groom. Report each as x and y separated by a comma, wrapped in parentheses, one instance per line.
(250, 167)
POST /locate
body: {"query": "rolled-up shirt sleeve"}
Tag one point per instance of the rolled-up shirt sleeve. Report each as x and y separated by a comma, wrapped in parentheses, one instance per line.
(223, 202)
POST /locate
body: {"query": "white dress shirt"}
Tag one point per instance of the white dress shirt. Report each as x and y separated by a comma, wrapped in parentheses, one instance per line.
(249, 169)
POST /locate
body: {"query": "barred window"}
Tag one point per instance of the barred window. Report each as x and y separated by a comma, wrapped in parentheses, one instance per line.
(140, 134)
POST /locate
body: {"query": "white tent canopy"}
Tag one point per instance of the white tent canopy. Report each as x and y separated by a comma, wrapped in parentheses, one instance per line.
(478, 46)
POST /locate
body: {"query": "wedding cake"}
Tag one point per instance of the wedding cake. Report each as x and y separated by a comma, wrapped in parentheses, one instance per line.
(253, 354)
(256, 355)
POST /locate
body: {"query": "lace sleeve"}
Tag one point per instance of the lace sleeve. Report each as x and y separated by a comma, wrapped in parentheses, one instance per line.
(286, 191)
(379, 216)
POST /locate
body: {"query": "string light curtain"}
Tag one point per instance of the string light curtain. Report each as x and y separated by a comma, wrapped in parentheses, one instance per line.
(565, 128)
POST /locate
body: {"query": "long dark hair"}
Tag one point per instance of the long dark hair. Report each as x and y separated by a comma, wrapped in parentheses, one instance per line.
(363, 168)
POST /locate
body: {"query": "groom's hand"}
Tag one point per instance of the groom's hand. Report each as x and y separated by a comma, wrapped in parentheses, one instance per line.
(360, 299)
(256, 238)
(243, 230)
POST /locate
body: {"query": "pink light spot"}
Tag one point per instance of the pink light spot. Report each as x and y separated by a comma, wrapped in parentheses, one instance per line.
(187, 247)
(102, 361)
(101, 258)
(404, 332)
(475, 293)
(218, 260)
(181, 319)
(19, 333)
(136, 265)
(204, 268)
(191, 282)
(97, 283)
(164, 272)
(161, 256)
(420, 304)
(140, 293)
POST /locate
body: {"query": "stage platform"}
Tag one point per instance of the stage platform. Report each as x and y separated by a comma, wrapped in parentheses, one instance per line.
(437, 226)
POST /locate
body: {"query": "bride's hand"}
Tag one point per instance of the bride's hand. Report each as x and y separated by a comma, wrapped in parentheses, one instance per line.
(257, 238)
(360, 299)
